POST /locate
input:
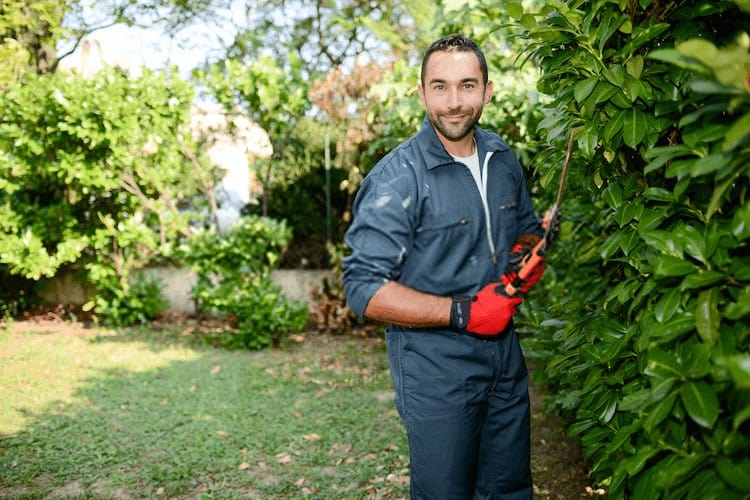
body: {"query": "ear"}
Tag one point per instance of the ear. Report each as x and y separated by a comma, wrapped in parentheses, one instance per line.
(488, 92)
(420, 91)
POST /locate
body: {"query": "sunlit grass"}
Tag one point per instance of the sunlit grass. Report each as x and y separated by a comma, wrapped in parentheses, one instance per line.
(104, 413)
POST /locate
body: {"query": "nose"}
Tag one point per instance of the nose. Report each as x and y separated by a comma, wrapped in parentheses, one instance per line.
(454, 98)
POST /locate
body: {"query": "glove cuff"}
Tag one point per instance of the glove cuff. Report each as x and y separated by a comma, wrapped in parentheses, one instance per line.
(460, 313)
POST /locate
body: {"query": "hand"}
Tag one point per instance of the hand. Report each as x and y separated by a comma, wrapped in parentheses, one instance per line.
(521, 259)
(487, 313)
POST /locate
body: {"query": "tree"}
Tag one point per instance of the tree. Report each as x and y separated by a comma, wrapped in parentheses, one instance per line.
(28, 34)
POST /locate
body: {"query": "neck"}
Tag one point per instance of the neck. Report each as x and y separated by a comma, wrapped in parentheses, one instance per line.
(463, 148)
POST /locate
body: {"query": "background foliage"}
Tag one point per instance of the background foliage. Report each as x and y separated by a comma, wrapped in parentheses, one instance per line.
(94, 175)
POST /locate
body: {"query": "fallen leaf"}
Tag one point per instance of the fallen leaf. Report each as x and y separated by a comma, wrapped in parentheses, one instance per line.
(215, 369)
(397, 480)
(311, 437)
(284, 458)
(300, 481)
(221, 434)
(244, 466)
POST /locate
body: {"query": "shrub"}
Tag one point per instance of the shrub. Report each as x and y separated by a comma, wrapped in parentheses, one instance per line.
(646, 340)
(234, 277)
(140, 302)
(96, 174)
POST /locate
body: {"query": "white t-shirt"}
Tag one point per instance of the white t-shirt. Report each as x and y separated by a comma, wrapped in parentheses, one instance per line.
(472, 163)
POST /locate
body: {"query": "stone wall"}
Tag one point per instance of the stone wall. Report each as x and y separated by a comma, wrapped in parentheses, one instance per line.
(295, 284)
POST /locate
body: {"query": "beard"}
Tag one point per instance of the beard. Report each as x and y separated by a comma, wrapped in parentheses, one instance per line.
(455, 131)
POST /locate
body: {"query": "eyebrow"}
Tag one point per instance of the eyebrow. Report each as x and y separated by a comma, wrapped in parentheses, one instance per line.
(442, 80)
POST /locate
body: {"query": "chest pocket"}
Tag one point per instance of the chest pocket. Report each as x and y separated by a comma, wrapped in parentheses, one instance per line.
(433, 223)
(447, 239)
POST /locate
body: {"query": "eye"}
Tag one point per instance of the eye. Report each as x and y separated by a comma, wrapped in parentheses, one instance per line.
(438, 86)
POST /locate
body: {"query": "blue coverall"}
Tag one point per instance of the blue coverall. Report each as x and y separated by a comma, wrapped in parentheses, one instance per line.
(419, 220)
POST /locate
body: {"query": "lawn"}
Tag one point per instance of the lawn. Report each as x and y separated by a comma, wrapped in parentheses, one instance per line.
(96, 413)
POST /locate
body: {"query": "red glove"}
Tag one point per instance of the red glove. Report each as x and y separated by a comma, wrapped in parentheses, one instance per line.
(520, 258)
(487, 313)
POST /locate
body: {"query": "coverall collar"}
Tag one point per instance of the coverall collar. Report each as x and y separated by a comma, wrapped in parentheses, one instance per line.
(435, 152)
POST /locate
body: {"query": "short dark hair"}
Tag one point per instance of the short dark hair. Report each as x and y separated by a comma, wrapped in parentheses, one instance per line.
(459, 43)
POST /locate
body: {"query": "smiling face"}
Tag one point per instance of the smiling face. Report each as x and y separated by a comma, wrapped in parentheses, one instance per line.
(454, 93)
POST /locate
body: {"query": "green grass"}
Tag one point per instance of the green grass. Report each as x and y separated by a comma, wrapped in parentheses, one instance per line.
(136, 413)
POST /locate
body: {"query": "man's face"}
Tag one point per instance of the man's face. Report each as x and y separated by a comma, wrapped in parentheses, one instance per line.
(454, 94)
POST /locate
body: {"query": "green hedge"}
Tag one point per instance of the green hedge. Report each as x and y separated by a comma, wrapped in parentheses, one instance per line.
(645, 341)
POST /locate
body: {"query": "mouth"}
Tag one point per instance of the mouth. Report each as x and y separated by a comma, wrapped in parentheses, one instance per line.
(456, 117)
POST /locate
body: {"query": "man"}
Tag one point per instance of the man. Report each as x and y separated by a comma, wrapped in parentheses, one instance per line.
(434, 225)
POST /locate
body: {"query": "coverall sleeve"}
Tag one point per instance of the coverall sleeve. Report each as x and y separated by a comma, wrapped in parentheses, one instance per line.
(379, 240)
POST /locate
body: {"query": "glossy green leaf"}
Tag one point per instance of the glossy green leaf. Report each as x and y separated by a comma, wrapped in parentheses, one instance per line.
(636, 400)
(672, 470)
(741, 413)
(672, 329)
(613, 195)
(741, 222)
(634, 127)
(741, 307)
(701, 279)
(735, 472)
(514, 10)
(623, 436)
(645, 32)
(613, 126)
(663, 241)
(707, 316)
(698, 363)
(739, 369)
(661, 388)
(692, 241)
(583, 89)
(660, 156)
(615, 75)
(609, 409)
(528, 21)
(634, 66)
(709, 164)
(611, 245)
(659, 411)
(662, 364)
(632, 88)
(737, 133)
(700, 402)
(602, 92)
(668, 265)
(629, 212)
(587, 141)
(673, 56)
(635, 462)
(700, 49)
(667, 306)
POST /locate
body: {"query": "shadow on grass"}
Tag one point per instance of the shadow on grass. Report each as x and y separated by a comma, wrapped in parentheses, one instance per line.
(148, 415)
